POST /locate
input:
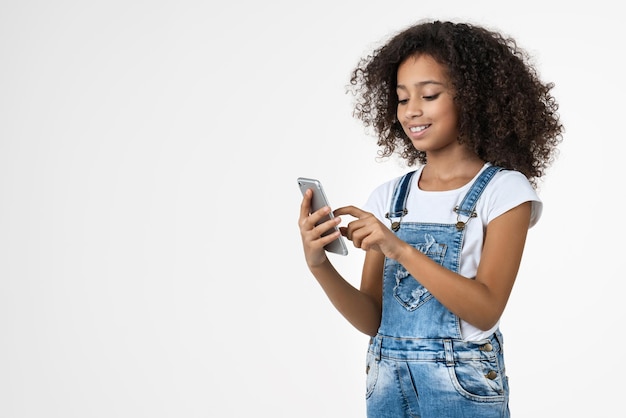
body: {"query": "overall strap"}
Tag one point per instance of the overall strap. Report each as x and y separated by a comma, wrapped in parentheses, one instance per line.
(468, 204)
(398, 201)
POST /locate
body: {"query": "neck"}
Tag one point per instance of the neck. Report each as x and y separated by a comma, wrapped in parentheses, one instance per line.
(449, 173)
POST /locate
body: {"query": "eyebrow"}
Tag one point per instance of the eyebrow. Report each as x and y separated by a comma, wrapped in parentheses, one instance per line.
(421, 84)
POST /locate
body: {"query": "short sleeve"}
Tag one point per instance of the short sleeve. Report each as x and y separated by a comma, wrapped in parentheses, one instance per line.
(509, 189)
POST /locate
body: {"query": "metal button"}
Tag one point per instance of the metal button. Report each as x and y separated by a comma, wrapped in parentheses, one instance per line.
(491, 375)
(486, 347)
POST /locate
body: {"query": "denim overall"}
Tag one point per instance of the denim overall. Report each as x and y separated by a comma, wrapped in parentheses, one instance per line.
(418, 365)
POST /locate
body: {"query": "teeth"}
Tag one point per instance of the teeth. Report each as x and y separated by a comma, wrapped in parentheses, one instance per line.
(418, 128)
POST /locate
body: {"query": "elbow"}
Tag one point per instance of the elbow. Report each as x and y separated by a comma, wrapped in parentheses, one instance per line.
(486, 325)
(370, 332)
(369, 329)
(486, 314)
(487, 320)
(371, 323)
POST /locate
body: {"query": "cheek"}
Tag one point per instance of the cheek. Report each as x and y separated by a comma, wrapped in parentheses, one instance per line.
(449, 115)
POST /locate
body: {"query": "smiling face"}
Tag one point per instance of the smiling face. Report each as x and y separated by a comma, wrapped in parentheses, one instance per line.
(426, 107)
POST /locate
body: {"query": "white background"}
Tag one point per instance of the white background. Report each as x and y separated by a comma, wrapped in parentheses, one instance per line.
(150, 261)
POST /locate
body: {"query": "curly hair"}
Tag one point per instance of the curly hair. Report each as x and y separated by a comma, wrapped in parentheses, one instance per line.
(506, 114)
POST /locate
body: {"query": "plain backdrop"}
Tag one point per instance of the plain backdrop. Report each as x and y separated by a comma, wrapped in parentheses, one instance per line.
(150, 260)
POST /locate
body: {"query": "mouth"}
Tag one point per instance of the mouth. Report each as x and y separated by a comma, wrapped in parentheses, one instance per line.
(418, 129)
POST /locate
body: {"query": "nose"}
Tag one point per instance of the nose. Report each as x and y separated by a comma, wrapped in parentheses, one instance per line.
(413, 109)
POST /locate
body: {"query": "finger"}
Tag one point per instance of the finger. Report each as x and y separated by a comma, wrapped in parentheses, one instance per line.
(307, 219)
(327, 227)
(350, 210)
(355, 235)
(360, 231)
(351, 233)
(327, 239)
(321, 235)
(350, 229)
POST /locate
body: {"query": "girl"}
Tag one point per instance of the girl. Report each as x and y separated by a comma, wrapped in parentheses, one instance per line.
(444, 242)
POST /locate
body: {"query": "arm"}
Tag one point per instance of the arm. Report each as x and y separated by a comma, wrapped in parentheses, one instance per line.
(480, 301)
(361, 307)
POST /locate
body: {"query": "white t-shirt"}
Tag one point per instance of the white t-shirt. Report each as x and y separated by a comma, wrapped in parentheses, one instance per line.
(505, 191)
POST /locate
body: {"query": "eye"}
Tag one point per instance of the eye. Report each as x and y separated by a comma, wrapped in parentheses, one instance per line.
(431, 97)
(403, 101)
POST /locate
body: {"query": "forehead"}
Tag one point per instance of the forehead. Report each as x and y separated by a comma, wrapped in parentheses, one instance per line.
(420, 68)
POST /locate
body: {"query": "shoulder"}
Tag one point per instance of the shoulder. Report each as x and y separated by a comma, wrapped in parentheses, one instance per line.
(511, 178)
(508, 189)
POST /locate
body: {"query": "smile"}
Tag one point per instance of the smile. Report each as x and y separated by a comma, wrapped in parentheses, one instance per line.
(416, 129)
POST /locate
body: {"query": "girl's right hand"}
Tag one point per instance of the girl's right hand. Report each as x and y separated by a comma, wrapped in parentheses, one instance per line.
(368, 233)
(312, 240)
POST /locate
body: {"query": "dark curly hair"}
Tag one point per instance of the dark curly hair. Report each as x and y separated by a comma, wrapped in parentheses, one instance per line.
(506, 114)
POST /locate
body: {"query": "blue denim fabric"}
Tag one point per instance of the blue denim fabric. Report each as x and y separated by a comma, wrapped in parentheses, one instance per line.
(436, 378)
(418, 364)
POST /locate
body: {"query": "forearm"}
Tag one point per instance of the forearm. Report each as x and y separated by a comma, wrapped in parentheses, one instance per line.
(359, 308)
(470, 300)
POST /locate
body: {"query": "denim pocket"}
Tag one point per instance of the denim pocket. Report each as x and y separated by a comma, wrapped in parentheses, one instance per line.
(480, 380)
(408, 291)
(371, 370)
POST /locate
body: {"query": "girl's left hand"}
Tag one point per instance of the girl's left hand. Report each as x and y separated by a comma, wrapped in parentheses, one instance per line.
(368, 233)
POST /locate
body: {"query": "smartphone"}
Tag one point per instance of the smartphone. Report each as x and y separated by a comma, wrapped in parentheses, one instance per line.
(318, 201)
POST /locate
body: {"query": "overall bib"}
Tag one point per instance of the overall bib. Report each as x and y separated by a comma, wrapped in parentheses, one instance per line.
(418, 365)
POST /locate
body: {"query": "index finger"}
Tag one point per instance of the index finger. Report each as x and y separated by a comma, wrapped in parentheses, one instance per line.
(350, 210)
